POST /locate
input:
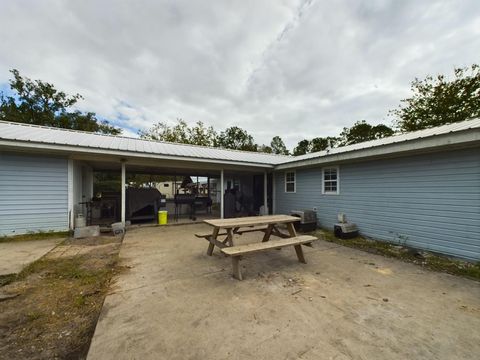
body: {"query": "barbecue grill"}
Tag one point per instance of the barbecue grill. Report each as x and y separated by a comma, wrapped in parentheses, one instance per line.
(185, 199)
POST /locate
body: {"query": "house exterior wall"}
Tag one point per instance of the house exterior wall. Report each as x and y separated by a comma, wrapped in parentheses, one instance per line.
(33, 194)
(430, 202)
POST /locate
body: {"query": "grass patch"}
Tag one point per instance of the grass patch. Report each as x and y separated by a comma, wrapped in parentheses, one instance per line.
(41, 235)
(74, 268)
(425, 259)
(58, 304)
(34, 315)
(7, 279)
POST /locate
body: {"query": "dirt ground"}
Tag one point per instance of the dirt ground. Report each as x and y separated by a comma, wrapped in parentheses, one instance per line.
(57, 300)
(175, 302)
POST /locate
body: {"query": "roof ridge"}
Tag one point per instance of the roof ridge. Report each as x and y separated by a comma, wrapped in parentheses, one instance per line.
(148, 140)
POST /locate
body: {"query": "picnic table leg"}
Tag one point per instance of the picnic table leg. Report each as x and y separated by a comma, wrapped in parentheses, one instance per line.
(230, 237)
(293, 233)
(299, 251)
(291, 230)
(237, 272)
(211, 240)
(268, 232)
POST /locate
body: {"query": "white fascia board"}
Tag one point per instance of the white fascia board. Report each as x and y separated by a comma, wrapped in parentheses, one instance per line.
(465, 138)
(86, 150)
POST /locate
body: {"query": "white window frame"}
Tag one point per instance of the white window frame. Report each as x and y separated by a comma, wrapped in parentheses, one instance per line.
(338, 181)
(289, 182)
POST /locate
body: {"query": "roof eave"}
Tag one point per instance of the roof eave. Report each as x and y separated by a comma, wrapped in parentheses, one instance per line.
(70, 149)
(463, 138)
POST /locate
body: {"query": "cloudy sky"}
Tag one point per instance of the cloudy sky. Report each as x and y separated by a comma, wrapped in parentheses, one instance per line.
(297, 69)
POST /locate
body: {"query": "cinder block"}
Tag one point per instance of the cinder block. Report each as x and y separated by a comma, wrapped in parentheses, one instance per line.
(87, 231)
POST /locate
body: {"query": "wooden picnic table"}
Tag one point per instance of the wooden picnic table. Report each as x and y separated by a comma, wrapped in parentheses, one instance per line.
(267, 224)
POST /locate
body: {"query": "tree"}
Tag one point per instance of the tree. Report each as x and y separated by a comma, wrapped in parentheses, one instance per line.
(438, 101)
(278, 146)
(362, 131)
(265, 149)
(236, 138)
(201, 135)
(302, 148)
(181, 133)
(322, 143)
(163, 132)
(38, 102)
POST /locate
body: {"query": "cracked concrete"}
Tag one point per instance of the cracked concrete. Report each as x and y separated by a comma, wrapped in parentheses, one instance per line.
(175, 302)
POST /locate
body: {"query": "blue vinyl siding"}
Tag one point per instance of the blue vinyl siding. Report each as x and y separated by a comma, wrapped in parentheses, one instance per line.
(33, 194)
(430, 202)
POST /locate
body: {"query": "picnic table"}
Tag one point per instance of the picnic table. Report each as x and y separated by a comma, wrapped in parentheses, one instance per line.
(267, 224)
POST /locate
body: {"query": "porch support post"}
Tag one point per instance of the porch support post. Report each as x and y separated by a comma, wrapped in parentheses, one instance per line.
(71, 215)
(123, 202)
(274, 197)
(265, 193)
(222, 190)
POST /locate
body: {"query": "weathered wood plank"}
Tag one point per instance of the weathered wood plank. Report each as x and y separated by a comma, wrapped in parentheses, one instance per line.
(213, 240)
(244, 230)
(291, 230)
(218, 243)
(230, 237)
(300, 256)
(268, 232)
(206, 235)
(237, 271)
(251, 221)
(272, 244)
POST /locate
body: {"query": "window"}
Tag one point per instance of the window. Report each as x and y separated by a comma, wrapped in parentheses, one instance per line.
(290, 182)
(330, 179)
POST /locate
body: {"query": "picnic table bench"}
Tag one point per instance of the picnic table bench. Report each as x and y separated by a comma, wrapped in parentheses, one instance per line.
(236, 252)
(266, 224)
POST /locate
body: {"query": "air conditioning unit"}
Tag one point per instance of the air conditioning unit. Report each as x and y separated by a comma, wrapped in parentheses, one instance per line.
(343, 229)
(308, 220)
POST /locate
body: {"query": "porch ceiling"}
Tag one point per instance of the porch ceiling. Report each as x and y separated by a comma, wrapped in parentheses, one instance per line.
(170, 168)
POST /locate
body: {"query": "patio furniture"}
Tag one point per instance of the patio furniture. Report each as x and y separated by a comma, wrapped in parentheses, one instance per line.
(236, 252)
(266, 224)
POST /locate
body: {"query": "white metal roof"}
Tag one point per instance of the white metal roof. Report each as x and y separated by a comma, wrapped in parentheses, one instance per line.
(395, 139)
(54, 136)
(72, 140)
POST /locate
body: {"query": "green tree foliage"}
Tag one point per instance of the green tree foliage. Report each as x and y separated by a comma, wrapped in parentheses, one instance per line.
(236, 138)
(202, 135)
(302, 148)
(437, 101)
(278, 146)
(197, 134)
(38, 102)
(359, 132)
(322, 143)
(362, 131)
(264, 149)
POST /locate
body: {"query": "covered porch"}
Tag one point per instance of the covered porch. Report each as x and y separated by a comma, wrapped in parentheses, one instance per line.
(106, 189)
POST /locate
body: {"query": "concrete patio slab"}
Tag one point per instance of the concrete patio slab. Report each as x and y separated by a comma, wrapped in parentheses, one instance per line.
(15, 255)
(175, 302)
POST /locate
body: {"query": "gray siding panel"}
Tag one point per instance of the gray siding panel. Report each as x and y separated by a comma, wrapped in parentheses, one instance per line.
(429, 201)
(33, 194)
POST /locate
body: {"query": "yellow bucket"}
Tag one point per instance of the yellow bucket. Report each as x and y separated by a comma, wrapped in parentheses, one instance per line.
(162, 217)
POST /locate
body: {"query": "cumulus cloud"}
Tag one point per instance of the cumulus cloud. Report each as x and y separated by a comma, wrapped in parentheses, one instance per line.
(297, 69)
